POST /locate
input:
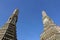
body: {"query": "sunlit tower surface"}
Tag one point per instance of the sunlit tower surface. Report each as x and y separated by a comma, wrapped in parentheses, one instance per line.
(51, 30)
(8, 31)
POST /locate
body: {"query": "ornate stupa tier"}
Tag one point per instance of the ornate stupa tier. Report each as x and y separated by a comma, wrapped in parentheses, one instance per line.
(51, 30)
(47, 21)
(8, 31)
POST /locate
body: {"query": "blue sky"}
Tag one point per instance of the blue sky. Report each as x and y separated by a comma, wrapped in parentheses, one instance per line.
(29, 25)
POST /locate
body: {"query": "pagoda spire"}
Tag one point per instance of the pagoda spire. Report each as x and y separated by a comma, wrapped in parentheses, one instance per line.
(13, 18)
(47, 21)
(8, 31)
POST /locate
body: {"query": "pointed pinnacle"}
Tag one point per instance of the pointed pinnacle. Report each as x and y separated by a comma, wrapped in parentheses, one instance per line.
(44, 13)
(16, 11)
